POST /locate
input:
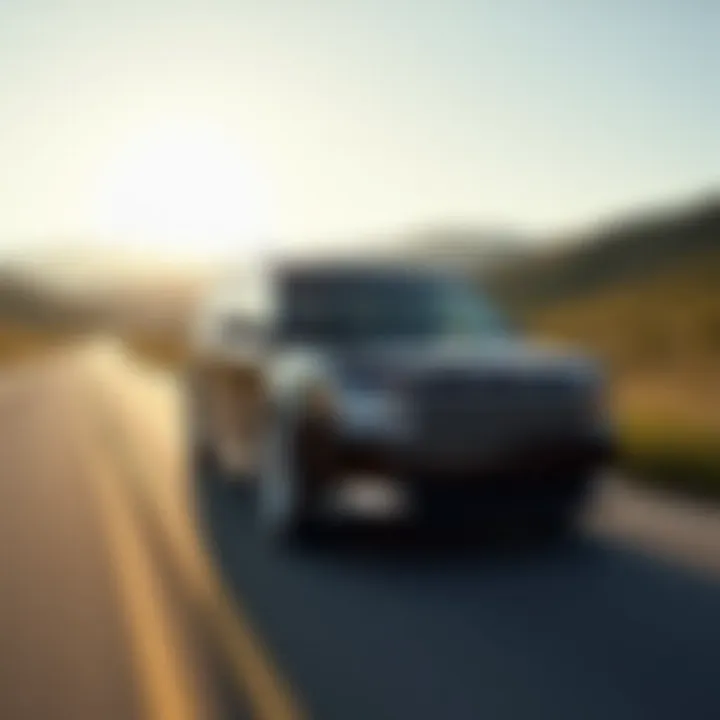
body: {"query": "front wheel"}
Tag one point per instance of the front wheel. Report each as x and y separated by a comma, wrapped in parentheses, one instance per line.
(204, 463)
(284, 500)
(202, 459)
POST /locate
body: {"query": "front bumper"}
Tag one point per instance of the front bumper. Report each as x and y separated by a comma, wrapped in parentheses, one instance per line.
(531, 476)
(563, 456)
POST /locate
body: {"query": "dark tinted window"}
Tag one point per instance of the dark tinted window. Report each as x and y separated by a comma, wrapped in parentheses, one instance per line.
(329, 306)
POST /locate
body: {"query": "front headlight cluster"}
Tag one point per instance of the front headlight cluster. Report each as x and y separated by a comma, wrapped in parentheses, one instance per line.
(378, 410)
(358, 411)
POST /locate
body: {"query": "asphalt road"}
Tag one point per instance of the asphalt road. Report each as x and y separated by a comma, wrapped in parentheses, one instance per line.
(132, 590)
(93, 622)
(381, 628)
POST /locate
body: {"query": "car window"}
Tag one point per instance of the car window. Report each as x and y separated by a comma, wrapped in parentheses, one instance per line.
(380, 307)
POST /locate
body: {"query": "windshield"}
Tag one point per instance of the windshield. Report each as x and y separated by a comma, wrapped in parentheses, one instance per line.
(346, 308)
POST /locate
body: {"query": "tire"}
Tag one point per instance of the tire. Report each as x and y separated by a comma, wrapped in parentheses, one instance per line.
(203, 462)
(553, 526)
(562, 520)
(285, 503)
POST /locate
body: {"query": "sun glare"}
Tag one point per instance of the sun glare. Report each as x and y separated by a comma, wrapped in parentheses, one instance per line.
(186, 189)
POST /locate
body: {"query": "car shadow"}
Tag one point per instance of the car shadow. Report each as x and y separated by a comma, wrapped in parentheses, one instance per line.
(386, 543)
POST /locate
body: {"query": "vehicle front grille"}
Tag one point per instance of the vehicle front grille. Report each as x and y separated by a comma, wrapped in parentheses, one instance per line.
(470, 412)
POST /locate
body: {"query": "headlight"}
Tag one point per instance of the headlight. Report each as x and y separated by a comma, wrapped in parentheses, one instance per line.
(356, 410)
(372, 411)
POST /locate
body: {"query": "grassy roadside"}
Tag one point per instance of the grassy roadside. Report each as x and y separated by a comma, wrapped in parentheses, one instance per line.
(671, 455)
(170, 353)
(20, 342)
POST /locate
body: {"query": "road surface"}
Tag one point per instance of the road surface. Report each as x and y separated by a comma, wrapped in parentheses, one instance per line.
(93, 621)
(133, 590)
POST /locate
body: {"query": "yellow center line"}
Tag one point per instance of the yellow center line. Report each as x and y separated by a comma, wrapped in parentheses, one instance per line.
(249, 660)
(164, 682)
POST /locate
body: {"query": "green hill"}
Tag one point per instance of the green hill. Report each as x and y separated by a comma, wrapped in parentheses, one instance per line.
(618, 252)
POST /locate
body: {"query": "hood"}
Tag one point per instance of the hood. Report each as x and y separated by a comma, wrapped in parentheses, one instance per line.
(387, 364)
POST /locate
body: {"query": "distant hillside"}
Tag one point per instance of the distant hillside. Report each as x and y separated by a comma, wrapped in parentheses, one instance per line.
(45, 299)
(665, 320)
(24, 300)
(485, 250)
(619, 252)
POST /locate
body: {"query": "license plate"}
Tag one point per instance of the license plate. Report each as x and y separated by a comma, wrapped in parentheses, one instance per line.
(373, 496)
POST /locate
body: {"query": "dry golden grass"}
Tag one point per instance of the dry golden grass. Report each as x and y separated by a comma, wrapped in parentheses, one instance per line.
(171, 353)
(669, 323)
(666, 452)
(20, 342)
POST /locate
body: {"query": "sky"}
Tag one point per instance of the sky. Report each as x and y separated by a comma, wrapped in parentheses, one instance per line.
(210, 127)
